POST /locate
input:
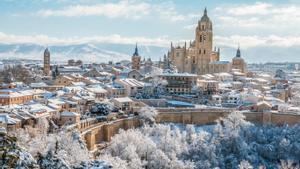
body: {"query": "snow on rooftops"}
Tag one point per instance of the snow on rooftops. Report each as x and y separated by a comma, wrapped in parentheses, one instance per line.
(131, 82)
(179, 74)
(6, 119)
(208, 76)
(73, 88)
(38, 85)
(123, 99)
(261, 80)
(263, 75)
(9, 93)
(57, 101)
(67, 113)
(264, 103)
(96, 89)
(223, 74)
(78, 83)
(225, 85)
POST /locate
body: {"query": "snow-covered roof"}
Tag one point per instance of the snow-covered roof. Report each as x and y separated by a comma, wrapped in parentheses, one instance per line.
(41, 84)
(96, 89)
(123, 99)
(224, 74)
(131, 82)
(264, 103)
(57, 101)
(5, 118)
(78, 84)
(179, 74)
(67, 113)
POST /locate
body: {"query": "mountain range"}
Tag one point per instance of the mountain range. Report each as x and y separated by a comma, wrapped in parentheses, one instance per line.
(104, 52)
(101, 52)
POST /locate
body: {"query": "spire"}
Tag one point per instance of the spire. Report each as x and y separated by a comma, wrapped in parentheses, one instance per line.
(238, 52)
(205, 18)
(136, 52)
(47, 51)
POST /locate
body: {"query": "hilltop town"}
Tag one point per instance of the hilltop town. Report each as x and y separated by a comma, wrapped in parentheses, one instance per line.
(189, 85)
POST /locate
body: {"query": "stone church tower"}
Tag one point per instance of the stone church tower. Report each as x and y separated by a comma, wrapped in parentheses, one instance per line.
(238, 62)
(47, 62)
(199, 57)
(136, 59)
(203, 44)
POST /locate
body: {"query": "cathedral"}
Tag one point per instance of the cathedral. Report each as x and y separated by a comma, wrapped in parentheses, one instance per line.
(200, 57)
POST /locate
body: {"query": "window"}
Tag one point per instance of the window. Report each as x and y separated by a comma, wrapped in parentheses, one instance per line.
(204, 51)
(200, 38)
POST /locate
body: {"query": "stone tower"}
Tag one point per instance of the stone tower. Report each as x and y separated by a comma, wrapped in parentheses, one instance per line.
(136, 59)
(47, 62)
(203, 44)
(238, 62)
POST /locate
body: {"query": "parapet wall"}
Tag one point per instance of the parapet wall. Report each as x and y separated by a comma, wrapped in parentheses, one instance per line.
(104, 132)
(209, 116)
(191, 116)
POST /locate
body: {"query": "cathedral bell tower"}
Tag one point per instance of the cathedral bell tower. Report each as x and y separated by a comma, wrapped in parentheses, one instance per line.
(47, 62)
(204, 43)
(136, 59)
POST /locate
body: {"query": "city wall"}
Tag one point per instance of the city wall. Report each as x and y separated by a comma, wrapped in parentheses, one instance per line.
(103, 132)
(209, 116)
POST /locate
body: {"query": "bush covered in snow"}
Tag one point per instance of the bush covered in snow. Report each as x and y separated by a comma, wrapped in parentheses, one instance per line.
(147, 115)
(14, 156)
(232, 143)
(101, 109)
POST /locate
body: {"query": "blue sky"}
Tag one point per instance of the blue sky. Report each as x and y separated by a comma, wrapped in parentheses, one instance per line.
(252, 24)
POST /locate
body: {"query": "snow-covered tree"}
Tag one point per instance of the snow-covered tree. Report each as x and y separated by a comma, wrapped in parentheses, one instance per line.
(147, 115)
(232, 143)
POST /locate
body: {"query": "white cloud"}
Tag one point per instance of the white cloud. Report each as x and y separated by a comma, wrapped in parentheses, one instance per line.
(115, 38)
(260, 16)
(124, 9)
(168, 11)
(258, 41)
(132, 9)
(226, 41)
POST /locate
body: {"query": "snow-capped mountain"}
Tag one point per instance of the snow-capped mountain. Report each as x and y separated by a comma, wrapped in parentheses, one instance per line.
(87, 52)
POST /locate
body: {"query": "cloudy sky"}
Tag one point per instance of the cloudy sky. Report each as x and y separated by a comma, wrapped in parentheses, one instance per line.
(266, 29)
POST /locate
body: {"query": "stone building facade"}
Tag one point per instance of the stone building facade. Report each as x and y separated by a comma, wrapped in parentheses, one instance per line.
(179, 83)
(47, 71)
(136, 60)
(199, 57)
(239, 63)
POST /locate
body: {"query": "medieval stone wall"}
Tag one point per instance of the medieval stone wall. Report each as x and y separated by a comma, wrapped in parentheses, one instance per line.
(103, 132)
